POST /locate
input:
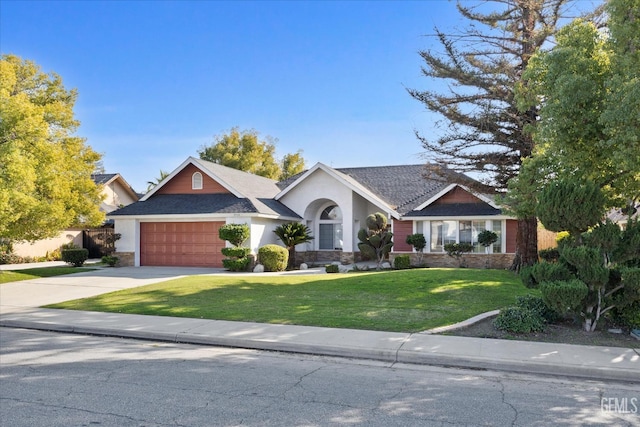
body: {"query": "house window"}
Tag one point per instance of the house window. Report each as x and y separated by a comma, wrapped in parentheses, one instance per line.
(497, 228)
(196, 181)
(330, 228)
(469, 231)
(443, 232)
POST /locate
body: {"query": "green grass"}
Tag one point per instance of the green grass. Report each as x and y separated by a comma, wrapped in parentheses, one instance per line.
(402, 301)
(7, 276)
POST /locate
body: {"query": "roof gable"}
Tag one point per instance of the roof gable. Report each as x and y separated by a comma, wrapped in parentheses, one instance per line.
(236, 182)
(345, 180)
(456, 193)
(105, 179)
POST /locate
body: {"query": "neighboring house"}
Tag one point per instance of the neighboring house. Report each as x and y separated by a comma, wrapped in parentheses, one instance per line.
(176, 223)
(117, 193)
(621, 216)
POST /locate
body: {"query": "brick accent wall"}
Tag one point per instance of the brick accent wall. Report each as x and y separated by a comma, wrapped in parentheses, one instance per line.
(326, 257)
(497, 261)
(125, 259)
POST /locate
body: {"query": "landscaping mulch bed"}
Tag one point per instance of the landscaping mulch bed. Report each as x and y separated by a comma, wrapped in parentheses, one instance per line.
(566, 332)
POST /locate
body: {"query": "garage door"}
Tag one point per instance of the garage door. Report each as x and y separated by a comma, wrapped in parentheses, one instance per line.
(185, 244)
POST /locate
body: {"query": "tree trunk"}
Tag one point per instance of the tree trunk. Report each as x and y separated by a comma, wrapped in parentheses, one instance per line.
(291, 265)
(526, 243)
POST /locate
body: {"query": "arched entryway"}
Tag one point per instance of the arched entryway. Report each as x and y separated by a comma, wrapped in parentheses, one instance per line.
(330, 228)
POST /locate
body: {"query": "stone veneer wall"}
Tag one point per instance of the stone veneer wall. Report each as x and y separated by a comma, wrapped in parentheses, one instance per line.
(125, 259)
(498, 261)
(325, 257)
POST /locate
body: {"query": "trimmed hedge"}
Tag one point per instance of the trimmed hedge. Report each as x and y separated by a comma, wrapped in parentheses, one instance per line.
(75, 257)
(402, 261)
(332, 268)
(273, 257)
(236, 264)
(235, 234)
(237, 252)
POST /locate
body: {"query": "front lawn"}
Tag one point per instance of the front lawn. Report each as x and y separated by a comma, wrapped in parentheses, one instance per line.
(402, 301)
(7, 276)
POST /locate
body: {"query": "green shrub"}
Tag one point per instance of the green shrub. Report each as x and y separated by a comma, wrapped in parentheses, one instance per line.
(376, 240)
(273, 257)
(402, 261)
(457, 250)
(537, 305)
(519, 320)
(628, 316)
(237, 252)
(235, 234)
(110, 260)
(563, 296)
(75, 257)
(549, 272)
(332, 268)
(236, 264)
(54, 255)
(487, 238)
(549, 254)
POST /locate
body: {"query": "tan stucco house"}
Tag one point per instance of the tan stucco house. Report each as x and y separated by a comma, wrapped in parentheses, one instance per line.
(117, 193)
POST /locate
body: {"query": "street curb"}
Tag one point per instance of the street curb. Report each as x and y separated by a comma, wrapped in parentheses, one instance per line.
(405, 352)
(464, 323)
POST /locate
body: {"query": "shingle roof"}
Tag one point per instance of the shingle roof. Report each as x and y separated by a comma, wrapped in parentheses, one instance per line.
(182, 204)
(248, 184)
(101, 178)
(402, 186)
(456, 209)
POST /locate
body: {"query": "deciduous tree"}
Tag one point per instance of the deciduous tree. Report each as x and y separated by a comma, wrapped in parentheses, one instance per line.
(588, 87)
(45, 170)
(245, 151)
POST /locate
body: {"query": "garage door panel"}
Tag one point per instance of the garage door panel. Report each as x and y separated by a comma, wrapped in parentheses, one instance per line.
(193, 244)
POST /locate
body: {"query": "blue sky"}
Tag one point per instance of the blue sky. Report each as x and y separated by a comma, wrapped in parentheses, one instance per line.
(158, 80)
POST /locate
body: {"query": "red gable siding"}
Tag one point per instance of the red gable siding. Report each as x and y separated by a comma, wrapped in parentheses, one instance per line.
(401, 229)
(457, 195)
(181, 183)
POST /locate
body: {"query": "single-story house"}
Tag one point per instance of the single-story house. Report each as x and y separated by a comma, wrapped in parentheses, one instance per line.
(177, 222)
(116, 193)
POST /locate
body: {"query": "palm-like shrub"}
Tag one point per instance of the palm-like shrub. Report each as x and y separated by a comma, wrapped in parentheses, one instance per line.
(292, 234)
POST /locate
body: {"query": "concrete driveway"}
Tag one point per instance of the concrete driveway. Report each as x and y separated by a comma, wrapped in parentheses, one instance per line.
(17, 296)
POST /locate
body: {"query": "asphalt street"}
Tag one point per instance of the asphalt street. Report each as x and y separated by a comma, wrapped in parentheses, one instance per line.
(56, 379)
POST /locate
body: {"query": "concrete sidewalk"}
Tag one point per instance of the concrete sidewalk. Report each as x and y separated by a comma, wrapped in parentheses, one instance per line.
(19, 301)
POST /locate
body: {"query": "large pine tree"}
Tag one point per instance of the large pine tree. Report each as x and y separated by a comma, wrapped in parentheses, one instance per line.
(478, 69)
